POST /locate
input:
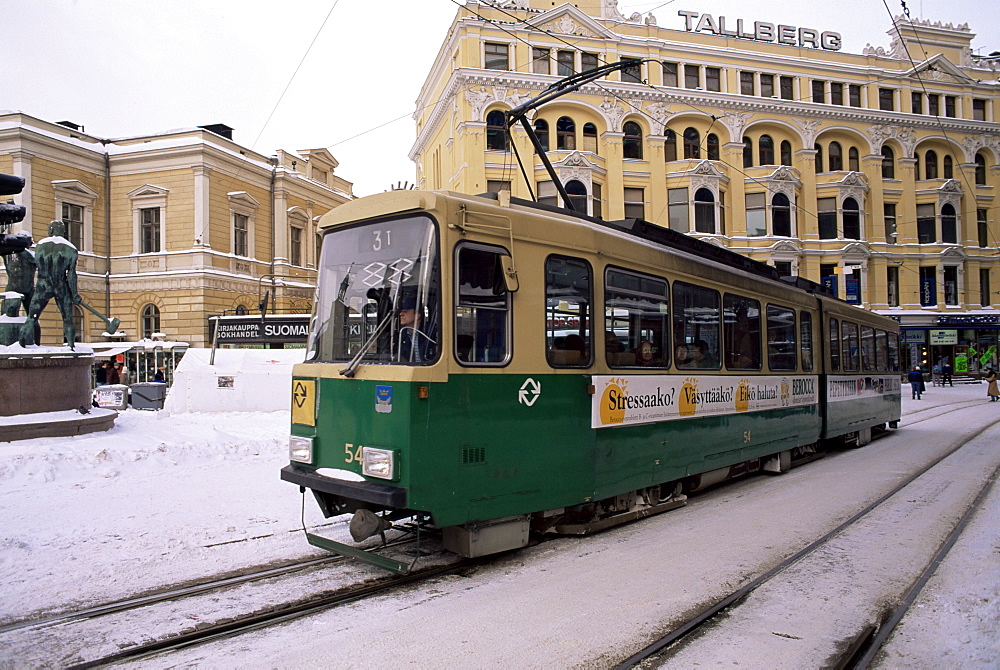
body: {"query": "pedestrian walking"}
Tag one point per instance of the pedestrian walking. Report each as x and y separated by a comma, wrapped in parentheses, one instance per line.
(946, 373)
(991, 390)
(916, 379)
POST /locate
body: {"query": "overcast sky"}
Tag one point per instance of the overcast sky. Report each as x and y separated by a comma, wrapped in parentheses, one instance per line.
(131, 67)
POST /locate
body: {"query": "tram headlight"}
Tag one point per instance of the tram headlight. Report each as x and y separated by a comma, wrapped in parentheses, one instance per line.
(300, 449)
(379, 463)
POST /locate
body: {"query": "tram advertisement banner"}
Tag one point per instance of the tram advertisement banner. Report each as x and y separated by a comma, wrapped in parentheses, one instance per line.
(853, 387)
(628, 400)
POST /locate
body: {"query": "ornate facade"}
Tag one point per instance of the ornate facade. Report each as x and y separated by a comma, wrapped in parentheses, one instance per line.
(874, 173)
(172, 228)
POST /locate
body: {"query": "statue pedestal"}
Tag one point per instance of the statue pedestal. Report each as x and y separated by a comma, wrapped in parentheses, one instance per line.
(40, 392)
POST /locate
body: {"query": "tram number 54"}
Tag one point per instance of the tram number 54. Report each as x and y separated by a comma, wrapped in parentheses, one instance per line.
(353, 454)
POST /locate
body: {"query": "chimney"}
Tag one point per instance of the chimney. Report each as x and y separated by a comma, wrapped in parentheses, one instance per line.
(219, 129)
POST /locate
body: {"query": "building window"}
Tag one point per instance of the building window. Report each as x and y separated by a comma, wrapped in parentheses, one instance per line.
(819, 158)
(756, 208)
(950, 284)
(767, 85)
(632, 142)
(930, 165)
(692, 143)
(853, 160)
(295, 245)
(835, 157)
(589, 61)
(669, 145)
(565, 134)
(982, 228)
(746, 83)
(892, 285)
(949, 106)
(933, 104)
(947, 167)
(540, 60)
(150, 321)
(747, 152)
(926, 224)
(980, 170)
(713, 79)
(786, 152)
(149, 230)
(547, 194)
(888, 163)
(787, 88)
(885, 100)
(590, 138)
(635, 205)
(677, 209)
(632, 72)
(692, 76)
(916, 102)
(828, 278)
(818, 91)
(765, 150)
(241, 234)
(826, 213)
(670, 74)
(596, 211)
(949, 225)
(984, 288)
(854, 95)
(577, 195)
(852, 219)
(781, 215)
(704, 211)
(72, 216)
(889, 218)
(916, 166)
(928, 288)
(542, 133)
(496, 56)
(836, 94)
(784, 268)
(496, 131)
(978, 109)
(497, 185)
(712, 146)
(566, 62)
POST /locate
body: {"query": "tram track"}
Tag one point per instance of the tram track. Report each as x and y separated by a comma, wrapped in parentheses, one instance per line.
(858, 651)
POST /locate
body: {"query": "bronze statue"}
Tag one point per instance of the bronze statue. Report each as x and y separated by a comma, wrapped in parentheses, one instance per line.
(55, 262)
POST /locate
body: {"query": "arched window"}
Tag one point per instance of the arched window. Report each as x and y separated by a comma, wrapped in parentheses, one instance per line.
(150, 321)
(835, 157)
(853, 162)
(496, 132)
(241, 310)
(930, 165)
(692, 143)
(712, 146)
(781, 215)
(888, 163)
(819, 158)
(704, 211)
(669, 145)
(542, 133)
(590, 138)
(949, 225)
(747, 152)
(632, 142)
(947, 167)
(577, 195)
(980, 170)
(852, 219)
(765, 150)
(565, 134)
(786, 152)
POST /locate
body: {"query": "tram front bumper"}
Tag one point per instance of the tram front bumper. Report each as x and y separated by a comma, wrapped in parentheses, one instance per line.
(383, 495)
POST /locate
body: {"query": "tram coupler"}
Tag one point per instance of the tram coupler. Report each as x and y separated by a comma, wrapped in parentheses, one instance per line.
(363, 555)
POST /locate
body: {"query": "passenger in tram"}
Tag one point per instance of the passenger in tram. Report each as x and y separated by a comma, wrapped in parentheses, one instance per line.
(701, 355)
(646, 355)
(682, 358)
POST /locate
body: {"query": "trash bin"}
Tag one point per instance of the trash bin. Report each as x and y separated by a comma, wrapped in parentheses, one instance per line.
(112, 396)
(148, 395)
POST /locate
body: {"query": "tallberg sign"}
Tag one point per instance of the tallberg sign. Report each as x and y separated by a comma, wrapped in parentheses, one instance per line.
(762, 31)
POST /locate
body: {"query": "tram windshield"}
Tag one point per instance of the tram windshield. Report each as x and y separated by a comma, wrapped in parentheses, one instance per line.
(378, 299)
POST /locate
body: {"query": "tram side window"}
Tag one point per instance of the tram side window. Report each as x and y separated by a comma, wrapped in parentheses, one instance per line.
(893, 352)
(881, 350)
(741, 325)
(850, 349)
(806, 340)
(834, 345)
(868, 349)
(636, 320)
(568, 340)
(780, 338)
(697, 332)
(482, 312)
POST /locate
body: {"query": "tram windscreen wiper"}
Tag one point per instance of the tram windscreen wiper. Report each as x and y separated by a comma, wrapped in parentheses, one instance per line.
(352, 367)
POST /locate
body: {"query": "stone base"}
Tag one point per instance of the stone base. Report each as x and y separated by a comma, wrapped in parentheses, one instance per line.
(48, 382)
(56, 424)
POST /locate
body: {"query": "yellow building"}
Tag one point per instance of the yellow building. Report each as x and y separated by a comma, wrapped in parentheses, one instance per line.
(876, 173)
(172, 228)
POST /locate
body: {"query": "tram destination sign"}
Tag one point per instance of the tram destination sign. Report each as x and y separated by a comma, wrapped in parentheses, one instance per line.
(761, 31)
(254, 330)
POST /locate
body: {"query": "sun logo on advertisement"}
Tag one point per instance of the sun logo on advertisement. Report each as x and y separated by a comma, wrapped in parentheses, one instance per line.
(786, 392)
(688, 404)
(612, 411)
(743, 395)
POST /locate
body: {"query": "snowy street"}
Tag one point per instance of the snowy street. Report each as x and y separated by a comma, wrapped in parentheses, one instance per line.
(165, 499)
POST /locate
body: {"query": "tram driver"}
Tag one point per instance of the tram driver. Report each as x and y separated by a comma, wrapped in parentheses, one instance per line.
(415, 345)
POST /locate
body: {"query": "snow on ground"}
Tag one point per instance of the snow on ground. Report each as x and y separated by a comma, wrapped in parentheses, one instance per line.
(165, 498)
